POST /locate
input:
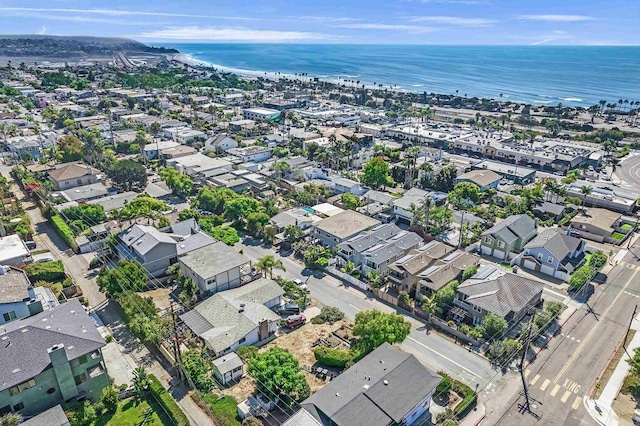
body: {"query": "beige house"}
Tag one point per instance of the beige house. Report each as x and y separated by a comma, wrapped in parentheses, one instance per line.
(72, 175)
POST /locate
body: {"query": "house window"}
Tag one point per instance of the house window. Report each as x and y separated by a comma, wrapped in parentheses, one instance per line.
(22, 387)
(500, 244)
(80, 360)
(241, 341)
(9, 316)
(477, 309)
(550, 259)
(487, 240)
(526, 252)
(80, 378)
(79, 181)
(539, 256)
(19, 406)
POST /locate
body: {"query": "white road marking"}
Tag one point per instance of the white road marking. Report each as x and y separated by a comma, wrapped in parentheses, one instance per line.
(545, 384)
(555, 390)
(576, 403)
(566, 396)
(535, 379)
(448, 359)
(355, 307)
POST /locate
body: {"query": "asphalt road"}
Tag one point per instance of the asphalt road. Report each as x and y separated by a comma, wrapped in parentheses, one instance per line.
(629, 171)
(561, 378)
(433, 350)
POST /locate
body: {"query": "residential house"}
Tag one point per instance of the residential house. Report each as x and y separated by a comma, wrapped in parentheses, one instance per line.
(495, 291)
(376, 249)
(13, 251)
(413, 198)
(386, 387)
(546, 210)
(343, 185)
(253, 153)
(298, 217)
(153, 150)
(198, 164)
(17, 296)
(220, 143)
(342, 226)
(606, 195)
(51, 358)
(483, 179)
(228, 368)
(177, 152)
(26, 147)
(508, 236)
(71, 175)
(404, 273)
(239, 317)
(85, 193)
(260, 114)
(437, 276)
(216, 267)
(54, 416)
(156, 250)
(554, 253)
(601, 225)
(518, 174)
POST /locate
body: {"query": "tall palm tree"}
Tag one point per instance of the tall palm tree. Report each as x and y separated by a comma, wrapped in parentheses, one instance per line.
(268, 263)
(615, 162)
(140, 380)
(585, 190)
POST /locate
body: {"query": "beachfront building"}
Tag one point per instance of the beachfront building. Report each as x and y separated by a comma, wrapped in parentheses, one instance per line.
(260, 114)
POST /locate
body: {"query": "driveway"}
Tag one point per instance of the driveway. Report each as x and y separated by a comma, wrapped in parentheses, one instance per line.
(433, 350)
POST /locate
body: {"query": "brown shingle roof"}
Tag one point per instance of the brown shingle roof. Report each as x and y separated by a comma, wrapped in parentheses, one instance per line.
(72, 171)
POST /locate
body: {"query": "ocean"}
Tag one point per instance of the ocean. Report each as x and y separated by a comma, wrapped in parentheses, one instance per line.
(542, 75)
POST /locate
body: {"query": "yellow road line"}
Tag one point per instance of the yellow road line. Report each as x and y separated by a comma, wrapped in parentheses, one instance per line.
(535, 379)
(555, 390)
(576, 403)
(566, 396)
(545, 384)
(593, 330)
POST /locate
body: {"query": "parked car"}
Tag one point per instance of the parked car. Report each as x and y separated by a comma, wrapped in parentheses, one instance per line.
(45, 259)
(30, 244)
(300, 283)
(294, 320)
(288, 309)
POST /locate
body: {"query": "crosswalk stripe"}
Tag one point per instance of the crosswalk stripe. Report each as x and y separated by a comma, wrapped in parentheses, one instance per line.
(555, 390)
(545, 384)
(566, 396)
(535, 379)
(526, 373)
(576, 403)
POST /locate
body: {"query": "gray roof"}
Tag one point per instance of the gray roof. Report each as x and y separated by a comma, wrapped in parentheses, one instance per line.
(547, 207)
(379, 196)
(302, 418)
(396, 245)
(194, 242)
(143, 238)
(503, 294)
(447, 269)
(379, 390)
(116, 201)
(24, 343)
(420, 259)
(185, 227)
(413, 196)
(221, 320)
(512, 228)
(54, 416)
(368, 239)
(227, 363)
(94, 190)
(14, 285)
(213, 259)
(346, 223)
(556, 242)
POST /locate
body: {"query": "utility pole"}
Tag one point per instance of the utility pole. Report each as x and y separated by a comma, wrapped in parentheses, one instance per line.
(526, 407)
(176, 345)
(626, 334)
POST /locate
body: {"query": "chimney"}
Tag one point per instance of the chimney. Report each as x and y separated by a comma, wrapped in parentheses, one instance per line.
(62, 370)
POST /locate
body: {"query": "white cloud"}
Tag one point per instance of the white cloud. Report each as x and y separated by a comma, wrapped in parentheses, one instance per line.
(116, 12)
(73, 18)
(373, 26)
(232, 34)
(42, 30)
(454, 20)
(555, 18)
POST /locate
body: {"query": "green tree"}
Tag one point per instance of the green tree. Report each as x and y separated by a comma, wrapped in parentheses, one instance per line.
(256, 222)
(179, 183)
(268, 263)
(277, 374)
(128, 275)
(198, 368)
(292, 233)
(226, 234)
(375, 328)
(351, 201)
(464, 193)
(375, 173)
(494, 326)
(128, 174)
(238, 209)
(444, 178)
(188, 214)
(70, 148)
(140, 381)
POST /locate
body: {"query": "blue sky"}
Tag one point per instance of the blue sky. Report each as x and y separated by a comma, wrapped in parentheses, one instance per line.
(489, 22)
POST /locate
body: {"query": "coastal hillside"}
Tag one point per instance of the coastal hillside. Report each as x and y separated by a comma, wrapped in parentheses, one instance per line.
(71, 47)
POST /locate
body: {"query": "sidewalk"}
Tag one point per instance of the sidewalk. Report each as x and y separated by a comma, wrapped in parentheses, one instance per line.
(475, 416)
(601, 410)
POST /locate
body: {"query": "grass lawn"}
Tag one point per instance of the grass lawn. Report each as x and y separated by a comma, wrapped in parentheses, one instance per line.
(617, 236)
(587, 257)
(507, 266)
(132, 411)
(225, 410)
(627, 227)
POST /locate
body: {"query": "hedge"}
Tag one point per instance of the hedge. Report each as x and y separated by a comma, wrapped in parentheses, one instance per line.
(64, 231)
(47, 271)
(332, 357)
(469, 397)
(167, 402)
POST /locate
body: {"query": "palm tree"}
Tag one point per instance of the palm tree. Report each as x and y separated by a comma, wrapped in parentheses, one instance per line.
(140, 381)
(268, 263)
(585, 190)
(429, 304)
(615, 162)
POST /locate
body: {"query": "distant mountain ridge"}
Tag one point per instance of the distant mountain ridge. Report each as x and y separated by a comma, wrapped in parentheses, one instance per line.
(25, 45)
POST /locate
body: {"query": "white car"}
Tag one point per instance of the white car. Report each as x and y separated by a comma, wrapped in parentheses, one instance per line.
(300, 283)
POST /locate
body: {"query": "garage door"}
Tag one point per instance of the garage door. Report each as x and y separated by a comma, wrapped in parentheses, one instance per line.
(545, 269)
(499, 254)
(486, 250)
(562, 275)
(529, 265)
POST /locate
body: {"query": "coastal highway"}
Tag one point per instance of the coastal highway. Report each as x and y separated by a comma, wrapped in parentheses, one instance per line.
(125, 61)
(629, 170)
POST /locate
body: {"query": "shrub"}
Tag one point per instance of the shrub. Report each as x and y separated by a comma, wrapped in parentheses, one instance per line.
(332, 357)
(223, 408)
(581, 277)
(469, 272)
(598, 259)
(226, 234)
(328, 314)
(167, 402)
(247, 352)
(47, 271)
(109, 399)
(64, 231)
(445, 385)
(465, 405)
(108, 338)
